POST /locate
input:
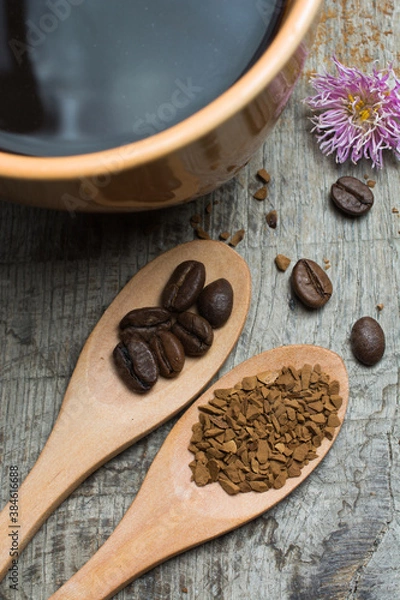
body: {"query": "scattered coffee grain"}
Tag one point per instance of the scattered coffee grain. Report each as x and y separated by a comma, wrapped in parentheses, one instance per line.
(202, 233)
(282, 262)
(237, 238)
(264, 176)
(272, 219)
(261, 194)
(195, 220)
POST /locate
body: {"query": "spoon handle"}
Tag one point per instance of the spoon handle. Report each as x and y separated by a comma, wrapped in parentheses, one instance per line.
(60, 468)
(150, 532)
(56, 473)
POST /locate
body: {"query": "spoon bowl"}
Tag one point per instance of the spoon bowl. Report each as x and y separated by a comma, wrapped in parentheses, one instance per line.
(170, 513)
(99, 416)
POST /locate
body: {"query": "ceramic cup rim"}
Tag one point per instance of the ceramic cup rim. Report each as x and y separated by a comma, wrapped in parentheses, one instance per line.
(298, 21)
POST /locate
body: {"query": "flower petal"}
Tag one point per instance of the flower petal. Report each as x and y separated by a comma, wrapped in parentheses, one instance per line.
(356, 115)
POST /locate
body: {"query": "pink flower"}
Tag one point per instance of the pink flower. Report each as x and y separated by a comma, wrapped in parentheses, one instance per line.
(358, 115)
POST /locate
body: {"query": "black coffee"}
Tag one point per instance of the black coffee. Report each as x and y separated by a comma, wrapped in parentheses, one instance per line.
(78, 76)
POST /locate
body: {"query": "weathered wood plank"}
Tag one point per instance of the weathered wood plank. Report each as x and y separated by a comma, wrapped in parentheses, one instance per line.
(336, 537)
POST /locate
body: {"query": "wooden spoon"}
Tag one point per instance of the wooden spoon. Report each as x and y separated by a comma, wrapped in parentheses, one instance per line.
(170, 513)
(99, 416)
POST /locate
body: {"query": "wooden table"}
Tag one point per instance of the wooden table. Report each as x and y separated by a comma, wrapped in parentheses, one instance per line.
(335, 537)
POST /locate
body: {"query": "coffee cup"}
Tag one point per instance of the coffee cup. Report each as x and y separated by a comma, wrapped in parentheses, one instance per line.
(192, 157)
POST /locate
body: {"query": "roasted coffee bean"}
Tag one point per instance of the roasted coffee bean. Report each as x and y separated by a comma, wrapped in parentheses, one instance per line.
(184, 286)
(352, 196)
(136, 364)
(215, 302)
(367, 341)
(194, 332)
(310, 283)
(145, 321)
(169, 353)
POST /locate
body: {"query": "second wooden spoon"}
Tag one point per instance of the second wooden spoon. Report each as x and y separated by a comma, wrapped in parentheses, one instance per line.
(170, 513)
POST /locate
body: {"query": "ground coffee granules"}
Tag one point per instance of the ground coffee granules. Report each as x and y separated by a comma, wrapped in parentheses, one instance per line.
(255, 435)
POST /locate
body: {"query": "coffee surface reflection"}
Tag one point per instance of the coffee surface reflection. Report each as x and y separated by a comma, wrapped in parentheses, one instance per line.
(79, 76)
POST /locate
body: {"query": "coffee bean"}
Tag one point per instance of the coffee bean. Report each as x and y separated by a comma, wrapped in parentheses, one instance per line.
(215, 302)
(194, 332)
(145, 321)
(367, 341)
(136, 364)
(184, 286)
(352, 196)
(169, 353)
(310, 283)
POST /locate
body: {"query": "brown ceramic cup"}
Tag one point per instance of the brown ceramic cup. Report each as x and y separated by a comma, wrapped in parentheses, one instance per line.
(186, 161)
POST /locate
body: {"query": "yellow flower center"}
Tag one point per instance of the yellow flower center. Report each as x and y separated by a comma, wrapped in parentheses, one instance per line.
(360, 110)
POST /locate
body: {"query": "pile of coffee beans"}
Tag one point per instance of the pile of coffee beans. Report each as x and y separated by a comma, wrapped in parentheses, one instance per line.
(155, 340)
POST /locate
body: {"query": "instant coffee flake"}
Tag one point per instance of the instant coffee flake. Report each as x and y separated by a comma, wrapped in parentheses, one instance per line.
(256, 435)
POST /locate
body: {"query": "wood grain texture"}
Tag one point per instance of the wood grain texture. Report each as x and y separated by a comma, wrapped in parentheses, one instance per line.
(336, 536)
(170, 514)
